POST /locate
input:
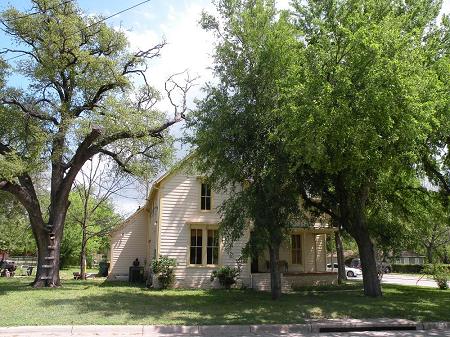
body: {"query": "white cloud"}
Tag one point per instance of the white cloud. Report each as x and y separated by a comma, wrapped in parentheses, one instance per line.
(188, 48)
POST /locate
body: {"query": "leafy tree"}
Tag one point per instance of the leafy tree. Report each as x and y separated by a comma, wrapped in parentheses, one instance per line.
(431, 228)
(80, 102)
(361, 103)
(234, 126)
(95, 214)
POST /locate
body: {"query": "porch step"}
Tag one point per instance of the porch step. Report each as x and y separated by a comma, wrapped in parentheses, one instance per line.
(49, 257)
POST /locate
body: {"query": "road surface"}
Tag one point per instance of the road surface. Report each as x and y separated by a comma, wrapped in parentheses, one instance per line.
(405, 279)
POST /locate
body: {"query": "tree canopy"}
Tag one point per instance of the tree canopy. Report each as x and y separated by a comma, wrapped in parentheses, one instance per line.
(234, 127)
(87, 94)
(342, 95)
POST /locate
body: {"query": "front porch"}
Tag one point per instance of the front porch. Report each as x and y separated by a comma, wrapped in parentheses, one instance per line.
(302, 260)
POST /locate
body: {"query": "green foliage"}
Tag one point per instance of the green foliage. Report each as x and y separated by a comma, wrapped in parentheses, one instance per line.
(440, 273)
(163, 268)
(103, 217)
(84, 93)
(227, 276)
(407, 268)
(93, 59)
(15, 233)
(234, 126)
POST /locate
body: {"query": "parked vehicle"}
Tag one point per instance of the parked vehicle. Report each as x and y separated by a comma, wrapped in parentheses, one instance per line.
(349, 271)
(384, 266)
(355, 263)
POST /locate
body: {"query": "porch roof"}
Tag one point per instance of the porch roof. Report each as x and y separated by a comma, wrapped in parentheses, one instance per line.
(317, 228)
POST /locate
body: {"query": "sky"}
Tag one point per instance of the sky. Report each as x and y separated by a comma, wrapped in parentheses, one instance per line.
(188, 48)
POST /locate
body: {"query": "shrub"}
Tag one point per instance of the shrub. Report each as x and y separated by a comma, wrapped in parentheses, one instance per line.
(227, 276)
(440, 273)
(163, 268)
(407, 268)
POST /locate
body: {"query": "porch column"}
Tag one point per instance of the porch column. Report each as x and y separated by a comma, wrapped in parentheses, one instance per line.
(315, 252)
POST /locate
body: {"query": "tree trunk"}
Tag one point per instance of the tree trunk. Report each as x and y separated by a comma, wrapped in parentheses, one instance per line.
(275, 277)
(340, 257)
(83, 257)
(353, 219)
(429, 253)
(49, 244)
(368, 263)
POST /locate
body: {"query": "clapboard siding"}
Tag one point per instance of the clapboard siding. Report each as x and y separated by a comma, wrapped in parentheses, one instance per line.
(129, 243)
(180, 208)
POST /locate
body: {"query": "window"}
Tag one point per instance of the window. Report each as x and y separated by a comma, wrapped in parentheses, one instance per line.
(205, 197)
(204, 245)
(212, 247)
(296, 249)
(196, 246)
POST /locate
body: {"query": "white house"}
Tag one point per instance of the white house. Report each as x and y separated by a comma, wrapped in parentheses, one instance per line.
(180, 220)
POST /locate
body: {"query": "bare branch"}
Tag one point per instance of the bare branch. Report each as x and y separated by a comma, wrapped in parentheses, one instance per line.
(116, 158)
(171, 86)
(29, 111)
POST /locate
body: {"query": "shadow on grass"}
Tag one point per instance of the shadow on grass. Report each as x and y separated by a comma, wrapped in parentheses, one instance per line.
(23, 284)
(133, 305)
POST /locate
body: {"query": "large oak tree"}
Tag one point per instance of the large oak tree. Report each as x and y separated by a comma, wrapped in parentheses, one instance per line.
(80, 101)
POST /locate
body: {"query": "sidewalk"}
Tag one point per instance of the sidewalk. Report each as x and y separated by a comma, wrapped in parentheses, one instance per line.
(311, 328)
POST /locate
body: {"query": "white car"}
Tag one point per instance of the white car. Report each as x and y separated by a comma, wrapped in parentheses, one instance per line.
(350, 272)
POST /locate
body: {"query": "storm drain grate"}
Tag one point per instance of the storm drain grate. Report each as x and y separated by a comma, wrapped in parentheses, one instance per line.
(367, 328)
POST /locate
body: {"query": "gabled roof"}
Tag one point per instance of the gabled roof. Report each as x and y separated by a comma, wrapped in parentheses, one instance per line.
(127, 220)
(153, 190)
(167, 174)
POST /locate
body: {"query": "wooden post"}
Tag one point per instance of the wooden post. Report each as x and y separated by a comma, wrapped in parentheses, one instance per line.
(315, 252)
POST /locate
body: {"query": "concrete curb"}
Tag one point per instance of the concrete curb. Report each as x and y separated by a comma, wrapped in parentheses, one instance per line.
(311, 326)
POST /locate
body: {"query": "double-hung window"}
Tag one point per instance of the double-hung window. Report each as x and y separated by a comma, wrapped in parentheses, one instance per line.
(204, 245)
(205, 197)
(196, 246)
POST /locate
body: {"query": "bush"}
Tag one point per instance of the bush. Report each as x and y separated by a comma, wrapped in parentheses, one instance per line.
(227, 276)
(440, 273)
(163, 268)
(407, 268)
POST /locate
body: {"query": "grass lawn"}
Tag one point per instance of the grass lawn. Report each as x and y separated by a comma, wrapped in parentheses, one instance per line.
(100, 302)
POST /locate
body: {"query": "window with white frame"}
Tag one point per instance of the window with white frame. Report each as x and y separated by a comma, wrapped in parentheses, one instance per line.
(196, 246)
(205, 197)
(204, 245)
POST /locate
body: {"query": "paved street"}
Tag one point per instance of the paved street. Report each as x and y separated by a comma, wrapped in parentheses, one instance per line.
(275, 330)
(112, 333)
(405, 279)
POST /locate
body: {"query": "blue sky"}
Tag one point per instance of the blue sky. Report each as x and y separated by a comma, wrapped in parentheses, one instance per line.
(188, 48)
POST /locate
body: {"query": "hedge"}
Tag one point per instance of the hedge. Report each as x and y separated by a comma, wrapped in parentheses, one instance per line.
(411, 268)
(407, 268)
